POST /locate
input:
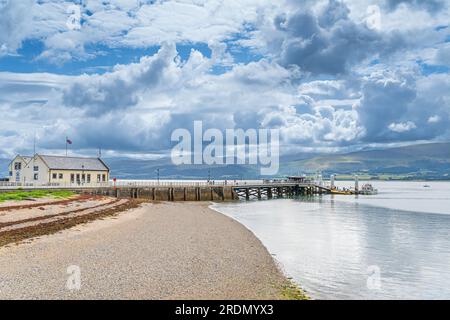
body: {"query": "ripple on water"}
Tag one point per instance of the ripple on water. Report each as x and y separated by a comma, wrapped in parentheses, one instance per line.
(334, 248)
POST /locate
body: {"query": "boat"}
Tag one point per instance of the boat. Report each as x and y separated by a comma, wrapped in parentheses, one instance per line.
(427, 186)
(368, 189)
(342, 192)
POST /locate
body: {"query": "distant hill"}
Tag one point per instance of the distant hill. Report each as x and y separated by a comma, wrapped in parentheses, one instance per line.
(146, 169)
(4, 163)
(425, 161)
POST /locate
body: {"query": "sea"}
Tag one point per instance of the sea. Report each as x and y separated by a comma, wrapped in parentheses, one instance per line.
(393, 245)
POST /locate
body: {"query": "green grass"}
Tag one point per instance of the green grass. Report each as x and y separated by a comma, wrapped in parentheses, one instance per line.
(23, 195)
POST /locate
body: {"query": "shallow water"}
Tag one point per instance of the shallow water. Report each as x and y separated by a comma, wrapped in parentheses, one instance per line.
(392, 245)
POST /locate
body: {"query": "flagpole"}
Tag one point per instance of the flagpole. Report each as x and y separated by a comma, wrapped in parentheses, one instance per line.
(34, 144)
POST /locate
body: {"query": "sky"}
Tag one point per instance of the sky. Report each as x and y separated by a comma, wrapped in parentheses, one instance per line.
(122, 75)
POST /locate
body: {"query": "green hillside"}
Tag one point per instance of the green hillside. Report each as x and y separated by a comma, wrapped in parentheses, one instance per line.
(426, 161)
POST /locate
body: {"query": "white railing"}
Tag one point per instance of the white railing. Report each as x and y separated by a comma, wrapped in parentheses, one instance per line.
(125, 184)
(32, 185)
(181, 183)
(146, 183)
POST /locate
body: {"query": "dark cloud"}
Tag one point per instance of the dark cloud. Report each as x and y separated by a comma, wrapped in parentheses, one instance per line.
(384, 102)
(399, 108)
(331, 43)
(334, 12)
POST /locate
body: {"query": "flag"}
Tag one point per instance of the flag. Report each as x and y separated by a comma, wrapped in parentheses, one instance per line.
(67, 142)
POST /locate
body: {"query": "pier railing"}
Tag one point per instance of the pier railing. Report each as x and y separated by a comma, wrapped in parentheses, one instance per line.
(154, 183)
(124, 184)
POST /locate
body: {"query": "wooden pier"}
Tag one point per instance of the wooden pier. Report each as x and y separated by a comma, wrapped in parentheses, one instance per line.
(278, 190)
(198, 191)
(216, 192)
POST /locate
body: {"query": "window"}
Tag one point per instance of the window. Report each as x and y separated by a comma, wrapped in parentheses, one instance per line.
(78, 178)
(61, 176)
(18, 166)
(88, 178)
(54, 176)
(36, 168)
(72, 178)
(10, 173)
(104, 177)
(98, 178)
(83, 178)
(36, 176)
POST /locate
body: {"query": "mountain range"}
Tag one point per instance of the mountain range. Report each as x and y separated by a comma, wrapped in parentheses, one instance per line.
(424, 161)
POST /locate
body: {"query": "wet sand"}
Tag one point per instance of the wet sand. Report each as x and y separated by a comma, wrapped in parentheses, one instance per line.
(157, 251)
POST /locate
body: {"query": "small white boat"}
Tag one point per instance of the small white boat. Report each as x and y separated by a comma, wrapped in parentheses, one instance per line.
(368, 189)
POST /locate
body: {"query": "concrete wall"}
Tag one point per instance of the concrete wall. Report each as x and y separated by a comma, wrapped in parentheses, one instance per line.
(221, 193)
(169, 193)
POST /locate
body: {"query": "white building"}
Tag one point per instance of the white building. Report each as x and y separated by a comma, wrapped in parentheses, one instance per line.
(42, 169)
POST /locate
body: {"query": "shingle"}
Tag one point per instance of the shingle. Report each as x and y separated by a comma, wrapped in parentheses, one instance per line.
(74, 163)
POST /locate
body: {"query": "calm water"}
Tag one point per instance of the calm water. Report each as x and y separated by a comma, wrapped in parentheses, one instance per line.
(392, 245)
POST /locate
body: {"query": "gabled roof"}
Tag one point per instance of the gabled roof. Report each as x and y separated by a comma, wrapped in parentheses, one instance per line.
(27, 159)
(74, 163)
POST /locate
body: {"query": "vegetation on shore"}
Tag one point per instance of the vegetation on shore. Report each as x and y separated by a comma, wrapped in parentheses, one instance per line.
(21, 195)
(291, 291)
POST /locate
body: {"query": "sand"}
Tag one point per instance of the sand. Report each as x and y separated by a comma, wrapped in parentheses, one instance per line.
(157, 251)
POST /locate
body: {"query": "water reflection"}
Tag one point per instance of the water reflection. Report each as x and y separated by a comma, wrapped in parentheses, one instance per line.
(332, 247)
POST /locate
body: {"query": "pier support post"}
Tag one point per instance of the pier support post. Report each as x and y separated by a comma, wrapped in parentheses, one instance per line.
(247, 194)
(234, 196)
(269, 193)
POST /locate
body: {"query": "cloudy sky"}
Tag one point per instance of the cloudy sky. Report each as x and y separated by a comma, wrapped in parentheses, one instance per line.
(123, 74)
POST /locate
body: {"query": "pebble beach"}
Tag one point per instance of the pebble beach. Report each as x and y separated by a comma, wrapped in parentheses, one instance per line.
(155, 251)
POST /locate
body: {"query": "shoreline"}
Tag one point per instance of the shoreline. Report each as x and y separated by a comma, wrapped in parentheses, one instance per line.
(159, 250)
(296, 287)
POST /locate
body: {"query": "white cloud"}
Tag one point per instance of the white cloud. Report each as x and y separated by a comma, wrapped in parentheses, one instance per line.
(15, 24)
(127, 23)
(133, 108)
(434, 119)
(402, 126)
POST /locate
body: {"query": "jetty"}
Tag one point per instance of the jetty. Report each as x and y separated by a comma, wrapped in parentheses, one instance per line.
(198, 190)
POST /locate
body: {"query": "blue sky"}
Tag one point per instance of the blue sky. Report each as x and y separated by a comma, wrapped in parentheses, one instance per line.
(332, 75)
